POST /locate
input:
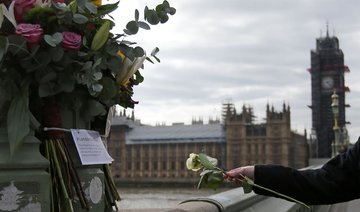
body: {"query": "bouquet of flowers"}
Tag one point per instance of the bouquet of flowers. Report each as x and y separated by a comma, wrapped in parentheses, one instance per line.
(63, 52)
(58, 55)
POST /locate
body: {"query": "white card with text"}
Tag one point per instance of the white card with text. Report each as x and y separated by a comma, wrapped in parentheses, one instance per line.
(90, 147)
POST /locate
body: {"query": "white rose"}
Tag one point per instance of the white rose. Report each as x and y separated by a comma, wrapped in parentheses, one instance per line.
(193, 163)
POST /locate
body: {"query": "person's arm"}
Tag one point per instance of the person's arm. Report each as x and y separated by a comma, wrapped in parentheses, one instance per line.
(337, 181)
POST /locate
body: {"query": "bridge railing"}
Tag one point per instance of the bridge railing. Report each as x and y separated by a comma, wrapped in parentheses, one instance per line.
(235, 200)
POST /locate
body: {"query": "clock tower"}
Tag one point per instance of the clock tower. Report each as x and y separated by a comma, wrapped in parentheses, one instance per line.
(327, 77)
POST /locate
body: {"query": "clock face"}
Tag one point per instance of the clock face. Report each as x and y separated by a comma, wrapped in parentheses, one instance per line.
(327, 82)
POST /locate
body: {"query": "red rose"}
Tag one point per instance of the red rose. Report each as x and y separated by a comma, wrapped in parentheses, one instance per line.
(71, 41)
(21, 7)
(32, 33)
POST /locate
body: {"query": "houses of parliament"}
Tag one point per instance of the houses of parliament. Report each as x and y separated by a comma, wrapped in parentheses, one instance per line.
(145, 153)
(158, 153)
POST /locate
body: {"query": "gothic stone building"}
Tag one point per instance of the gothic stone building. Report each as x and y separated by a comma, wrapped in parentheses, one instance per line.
(158, 153)
(270, 142)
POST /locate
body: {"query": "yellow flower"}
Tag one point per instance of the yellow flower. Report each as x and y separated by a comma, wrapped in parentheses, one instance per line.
(193, 162)
(121, 54)
(97, 2)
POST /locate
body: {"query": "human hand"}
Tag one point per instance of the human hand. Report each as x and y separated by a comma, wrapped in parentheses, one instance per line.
(245, 177)
(237, 175)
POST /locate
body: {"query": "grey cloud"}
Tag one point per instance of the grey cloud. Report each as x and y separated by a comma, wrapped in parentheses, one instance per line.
(254, 52)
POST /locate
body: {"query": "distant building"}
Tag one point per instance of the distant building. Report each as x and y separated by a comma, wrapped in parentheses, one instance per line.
(158, 153)
(269, 142)
(327, 76)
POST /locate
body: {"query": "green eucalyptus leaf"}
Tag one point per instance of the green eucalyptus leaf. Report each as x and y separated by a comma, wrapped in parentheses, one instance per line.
(81, 3)
(114, 64)
(152, 17)
(166, 4)
(18, 122)
(143, 25)
(136, 15)
(53, 40)
(34, 50)
(138, 51)
(172, 11)
(66, 82)
(57, 37)
(155, 51)
(146, 10)
(97, 87)
(49, 40)
(97, 63)
(132, 27)
(95, 108)
(109, 88)
(164, 18)
(160, 7)
(157, 59)
(127, 32)
(148, 59)
(97, 76)
(17, 44)
(87, 65)
(43, 59)
(80, 19)
(57, 54)
(91, 7)
(48, 77)
(3, 46)
(62, 7)
(48, 89)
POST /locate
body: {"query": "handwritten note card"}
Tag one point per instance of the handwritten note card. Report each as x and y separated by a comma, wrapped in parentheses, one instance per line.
(90, 147)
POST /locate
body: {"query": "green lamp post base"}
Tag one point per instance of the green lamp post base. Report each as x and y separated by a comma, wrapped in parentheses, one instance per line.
(24, 182)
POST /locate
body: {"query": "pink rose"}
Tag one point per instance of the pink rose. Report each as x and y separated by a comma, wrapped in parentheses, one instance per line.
(32, 33)
(71, 41)
(21, 7)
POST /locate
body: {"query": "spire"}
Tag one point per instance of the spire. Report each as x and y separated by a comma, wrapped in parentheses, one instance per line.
(284, 107)
(327, 29)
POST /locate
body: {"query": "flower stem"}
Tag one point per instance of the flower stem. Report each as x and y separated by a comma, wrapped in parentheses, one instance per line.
(251, 183)
(281, 195)
(67, 200)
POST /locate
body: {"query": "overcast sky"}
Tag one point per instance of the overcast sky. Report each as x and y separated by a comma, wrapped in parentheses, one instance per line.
(251, 52)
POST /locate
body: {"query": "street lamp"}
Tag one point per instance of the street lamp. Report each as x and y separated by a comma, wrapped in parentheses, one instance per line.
(336, 128)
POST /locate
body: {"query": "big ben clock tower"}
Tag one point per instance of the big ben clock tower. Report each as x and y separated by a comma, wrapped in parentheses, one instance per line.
(327, 77)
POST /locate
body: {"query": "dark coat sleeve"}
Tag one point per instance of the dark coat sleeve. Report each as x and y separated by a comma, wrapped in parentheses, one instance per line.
(336, 181)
